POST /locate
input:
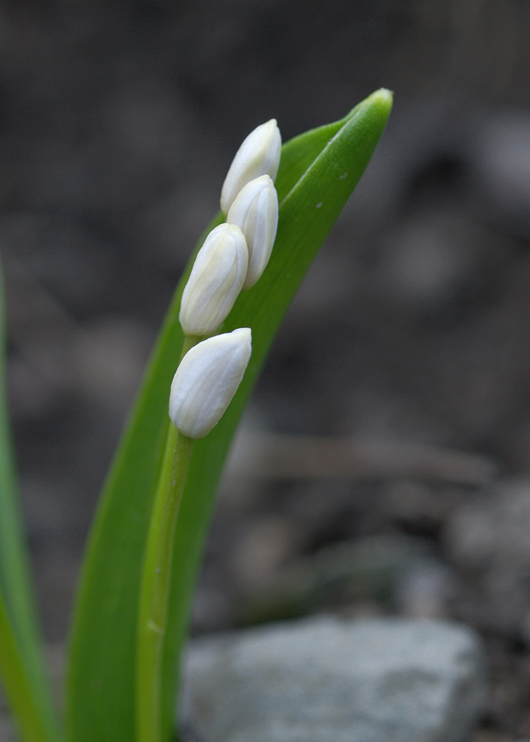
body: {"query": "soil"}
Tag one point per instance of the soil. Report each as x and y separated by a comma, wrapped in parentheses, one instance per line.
(404, 361)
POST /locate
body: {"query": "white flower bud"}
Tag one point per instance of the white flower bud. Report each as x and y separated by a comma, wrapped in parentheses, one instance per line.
(215, 281)
(258, 155)
(255, 210)
(206, 380)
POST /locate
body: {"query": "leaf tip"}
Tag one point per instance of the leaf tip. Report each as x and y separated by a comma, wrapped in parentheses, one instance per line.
(382, 98)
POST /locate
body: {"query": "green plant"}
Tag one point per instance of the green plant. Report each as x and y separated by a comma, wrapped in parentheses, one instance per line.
(317, 173)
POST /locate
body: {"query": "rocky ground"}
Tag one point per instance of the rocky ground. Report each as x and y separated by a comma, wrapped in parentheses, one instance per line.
(404, 361)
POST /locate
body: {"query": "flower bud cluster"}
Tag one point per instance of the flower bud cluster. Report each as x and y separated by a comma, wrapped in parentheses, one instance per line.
(235, 254)
(232, 258)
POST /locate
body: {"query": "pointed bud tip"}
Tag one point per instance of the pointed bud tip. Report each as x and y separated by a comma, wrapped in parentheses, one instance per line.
(259, 154)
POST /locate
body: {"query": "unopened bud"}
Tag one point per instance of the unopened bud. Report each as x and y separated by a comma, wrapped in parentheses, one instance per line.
(215, 281)
(258, 155)
(206, 380)
(255, 210)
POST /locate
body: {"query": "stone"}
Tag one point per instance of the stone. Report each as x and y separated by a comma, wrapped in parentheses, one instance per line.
(487, 537)
(322, 679)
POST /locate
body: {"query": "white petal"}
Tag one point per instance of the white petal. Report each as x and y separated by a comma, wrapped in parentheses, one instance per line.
(255, 210)
(206, 380)
(258, 155)
(215, 281)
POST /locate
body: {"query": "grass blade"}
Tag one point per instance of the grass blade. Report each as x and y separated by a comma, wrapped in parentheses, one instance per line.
(318, 172)
(21, 664)
(34, 723)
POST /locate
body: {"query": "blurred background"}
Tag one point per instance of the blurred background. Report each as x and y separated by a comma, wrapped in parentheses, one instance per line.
(384, 464)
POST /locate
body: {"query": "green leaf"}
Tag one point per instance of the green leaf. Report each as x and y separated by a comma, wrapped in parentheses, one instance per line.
(34, 722)
(318, 172)
(21, 665)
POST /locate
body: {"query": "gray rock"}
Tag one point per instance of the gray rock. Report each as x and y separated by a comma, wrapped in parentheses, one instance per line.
(322, 679)
(488, 539)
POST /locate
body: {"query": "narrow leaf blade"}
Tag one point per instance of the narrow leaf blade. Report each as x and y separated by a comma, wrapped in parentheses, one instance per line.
(312, 188)
(20, 635)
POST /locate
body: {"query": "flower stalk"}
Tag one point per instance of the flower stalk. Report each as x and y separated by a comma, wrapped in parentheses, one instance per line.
(155, 586)
(210, 371)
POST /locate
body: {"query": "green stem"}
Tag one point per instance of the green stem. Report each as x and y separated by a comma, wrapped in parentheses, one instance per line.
(156, 580)
(19, 689)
